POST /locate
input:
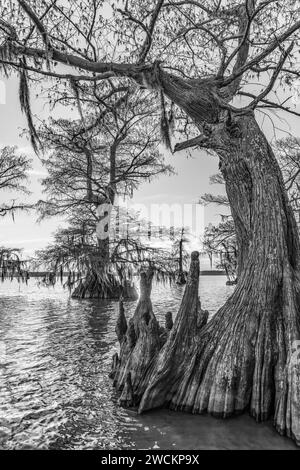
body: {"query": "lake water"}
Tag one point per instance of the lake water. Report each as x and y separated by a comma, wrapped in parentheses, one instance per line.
(55, 356)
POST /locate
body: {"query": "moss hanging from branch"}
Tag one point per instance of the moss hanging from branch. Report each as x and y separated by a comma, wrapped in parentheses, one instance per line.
(24, 96)
(11, 266)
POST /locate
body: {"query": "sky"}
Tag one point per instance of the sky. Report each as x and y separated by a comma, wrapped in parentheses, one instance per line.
(185, 186)
(190, 181)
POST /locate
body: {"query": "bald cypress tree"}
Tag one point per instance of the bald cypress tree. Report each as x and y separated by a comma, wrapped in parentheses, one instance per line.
(200, 56)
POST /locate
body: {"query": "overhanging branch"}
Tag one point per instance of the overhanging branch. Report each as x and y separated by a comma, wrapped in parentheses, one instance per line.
(200, 140)
(76, 78)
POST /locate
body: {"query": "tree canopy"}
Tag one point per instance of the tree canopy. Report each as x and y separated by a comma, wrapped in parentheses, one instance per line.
(13, 176)
(163, 45)
(90, 165)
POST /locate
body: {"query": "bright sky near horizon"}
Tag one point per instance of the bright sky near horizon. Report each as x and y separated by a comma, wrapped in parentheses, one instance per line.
(191, 178)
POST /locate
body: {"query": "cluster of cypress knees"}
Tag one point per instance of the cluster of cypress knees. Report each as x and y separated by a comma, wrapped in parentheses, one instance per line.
(144, 343)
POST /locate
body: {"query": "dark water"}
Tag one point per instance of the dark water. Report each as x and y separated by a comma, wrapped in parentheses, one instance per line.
(55, 355)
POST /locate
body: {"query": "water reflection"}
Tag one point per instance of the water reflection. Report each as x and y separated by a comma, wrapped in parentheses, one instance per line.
(55, 392)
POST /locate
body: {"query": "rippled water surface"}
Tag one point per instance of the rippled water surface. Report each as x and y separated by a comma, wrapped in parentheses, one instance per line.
(55, 356)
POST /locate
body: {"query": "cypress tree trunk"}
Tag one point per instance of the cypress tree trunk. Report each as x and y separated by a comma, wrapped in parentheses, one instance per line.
(92, 286)
(99, 283)
(181, 280)
(245, 357)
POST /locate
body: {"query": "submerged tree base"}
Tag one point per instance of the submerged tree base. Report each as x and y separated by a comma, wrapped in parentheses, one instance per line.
(94, 288)
(181, 279)
(235, 363)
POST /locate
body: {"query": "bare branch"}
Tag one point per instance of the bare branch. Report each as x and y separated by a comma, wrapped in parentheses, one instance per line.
(36, 21)
(245, 17)
(270, 104)
(189, 2)
(275, 74)
(148, 41)
(268, 50)
(76, 78)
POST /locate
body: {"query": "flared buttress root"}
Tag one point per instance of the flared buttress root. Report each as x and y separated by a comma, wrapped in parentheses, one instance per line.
(93, 287)
(243, 359)
(240, 362)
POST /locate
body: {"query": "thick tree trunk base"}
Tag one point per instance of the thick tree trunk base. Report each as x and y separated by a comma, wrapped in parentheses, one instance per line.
(237, 362)
(247, 357)
(111, 289)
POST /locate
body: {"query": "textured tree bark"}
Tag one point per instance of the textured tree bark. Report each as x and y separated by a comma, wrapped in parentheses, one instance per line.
(244, 358)
(140, 341)
(144, 343)
(175, 355)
